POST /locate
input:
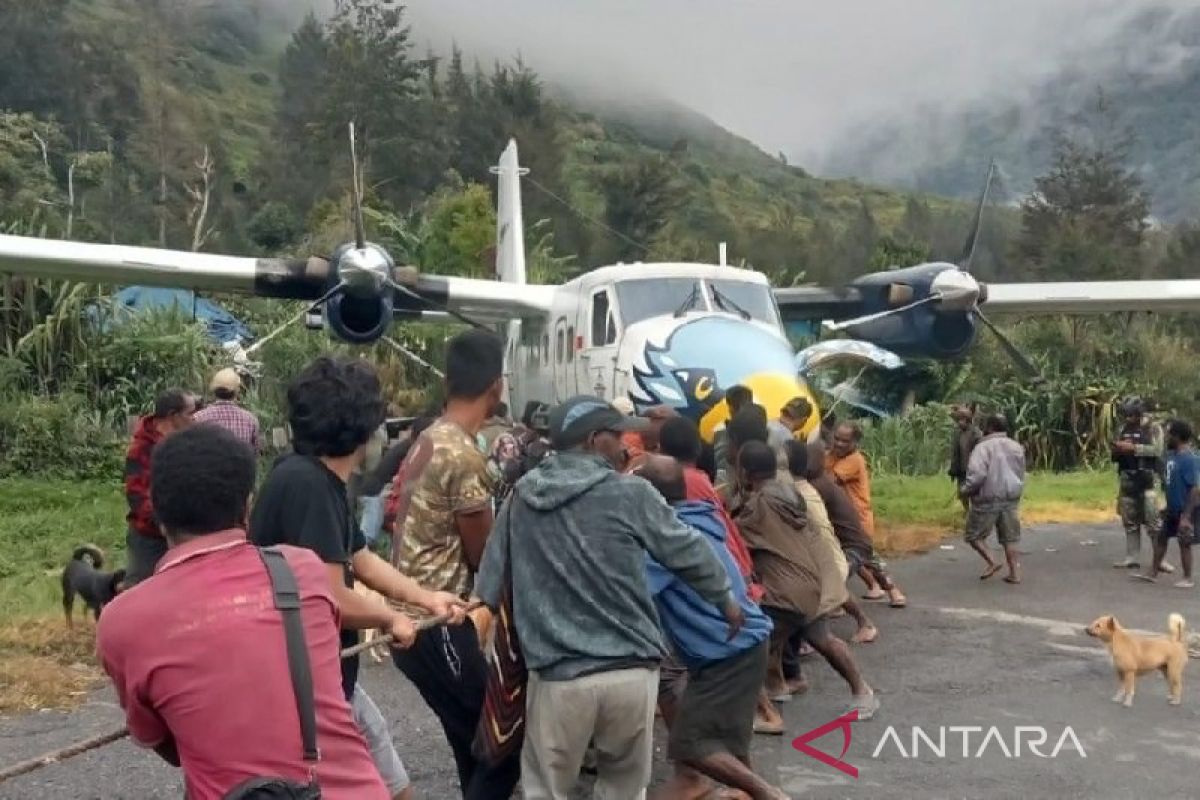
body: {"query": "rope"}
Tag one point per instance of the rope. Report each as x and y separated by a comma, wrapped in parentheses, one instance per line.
(587, 218)
(413, 356)
(53, 757)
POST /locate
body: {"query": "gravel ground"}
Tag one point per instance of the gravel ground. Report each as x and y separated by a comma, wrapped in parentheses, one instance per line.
(965, 653)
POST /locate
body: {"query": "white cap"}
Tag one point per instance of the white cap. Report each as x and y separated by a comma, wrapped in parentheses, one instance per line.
(226, 379)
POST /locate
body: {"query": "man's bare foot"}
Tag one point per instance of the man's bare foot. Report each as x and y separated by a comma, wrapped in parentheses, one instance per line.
(898, 600)
(990, 571)
(875, 594)
(798, 685)
(1012, 578)
(768, 727)
(685, 784)
(865, 635)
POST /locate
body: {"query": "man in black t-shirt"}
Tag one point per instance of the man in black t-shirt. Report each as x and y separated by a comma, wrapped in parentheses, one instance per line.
(333, 408)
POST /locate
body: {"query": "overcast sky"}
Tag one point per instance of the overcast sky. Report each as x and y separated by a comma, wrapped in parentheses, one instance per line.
(792, 76)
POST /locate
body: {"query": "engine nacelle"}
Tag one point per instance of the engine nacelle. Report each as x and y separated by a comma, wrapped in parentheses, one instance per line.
(359, 320)
(922, 333)
(943, 329)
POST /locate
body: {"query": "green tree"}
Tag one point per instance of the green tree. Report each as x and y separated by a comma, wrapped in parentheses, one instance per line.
(638, 201)
(1086, 218)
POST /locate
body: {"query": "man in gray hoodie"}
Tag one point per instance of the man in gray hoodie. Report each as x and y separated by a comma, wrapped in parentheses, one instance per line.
(575, 534)
(994, 484)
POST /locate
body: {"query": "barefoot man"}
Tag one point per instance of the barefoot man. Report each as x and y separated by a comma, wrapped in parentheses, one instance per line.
(994, 484)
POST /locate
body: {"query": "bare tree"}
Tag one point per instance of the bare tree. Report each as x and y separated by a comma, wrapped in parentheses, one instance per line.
(200, 193)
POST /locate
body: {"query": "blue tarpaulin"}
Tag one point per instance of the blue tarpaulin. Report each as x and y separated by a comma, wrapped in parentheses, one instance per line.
(222, 326)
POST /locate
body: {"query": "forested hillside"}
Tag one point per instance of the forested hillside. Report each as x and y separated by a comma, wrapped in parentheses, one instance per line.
(1149, 71)
(221, 125)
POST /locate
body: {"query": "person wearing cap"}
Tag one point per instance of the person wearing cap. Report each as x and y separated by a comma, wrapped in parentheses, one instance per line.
(224, 410)
(574, 537)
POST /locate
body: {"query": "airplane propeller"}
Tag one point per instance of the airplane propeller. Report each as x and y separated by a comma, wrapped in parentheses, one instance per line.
(954, 289)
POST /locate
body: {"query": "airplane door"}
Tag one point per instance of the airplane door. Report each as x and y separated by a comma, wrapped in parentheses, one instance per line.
(563, 371)
(600, 350)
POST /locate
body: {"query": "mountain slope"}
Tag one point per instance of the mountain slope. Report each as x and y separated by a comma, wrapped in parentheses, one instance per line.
(1149, 74)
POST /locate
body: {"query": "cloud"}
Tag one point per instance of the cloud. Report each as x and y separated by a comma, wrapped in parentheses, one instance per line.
(798, 77)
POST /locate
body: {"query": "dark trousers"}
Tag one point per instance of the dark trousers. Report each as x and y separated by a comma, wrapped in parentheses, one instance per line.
(142, 554)
(448, 667)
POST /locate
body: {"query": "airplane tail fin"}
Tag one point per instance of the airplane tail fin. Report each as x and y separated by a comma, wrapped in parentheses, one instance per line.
(510, 227)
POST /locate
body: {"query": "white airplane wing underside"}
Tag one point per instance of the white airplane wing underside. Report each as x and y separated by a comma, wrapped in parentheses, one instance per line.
(486, 301)
(1093, 297)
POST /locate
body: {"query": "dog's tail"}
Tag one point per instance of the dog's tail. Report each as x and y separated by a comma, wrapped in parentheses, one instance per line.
(1175, 625)
(94, 554)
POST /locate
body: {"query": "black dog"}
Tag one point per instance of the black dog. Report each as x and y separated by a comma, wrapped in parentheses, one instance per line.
(82, 576)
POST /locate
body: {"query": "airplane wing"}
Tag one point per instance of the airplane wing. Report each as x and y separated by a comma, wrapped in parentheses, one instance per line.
(1092, 297)
(291, 279)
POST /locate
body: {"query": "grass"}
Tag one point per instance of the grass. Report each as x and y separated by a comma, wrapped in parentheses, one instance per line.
(914, 513)
(41, 522)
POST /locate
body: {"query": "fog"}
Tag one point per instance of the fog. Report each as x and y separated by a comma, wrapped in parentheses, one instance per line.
(800, 77)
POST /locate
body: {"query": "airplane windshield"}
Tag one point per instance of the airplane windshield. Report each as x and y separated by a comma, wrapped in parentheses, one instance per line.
(643, 298)
(738, 296)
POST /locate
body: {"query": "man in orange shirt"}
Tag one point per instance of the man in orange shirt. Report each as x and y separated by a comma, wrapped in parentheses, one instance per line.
(845, 462)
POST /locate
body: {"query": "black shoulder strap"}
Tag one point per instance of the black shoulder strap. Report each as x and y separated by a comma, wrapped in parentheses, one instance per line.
(287, 600)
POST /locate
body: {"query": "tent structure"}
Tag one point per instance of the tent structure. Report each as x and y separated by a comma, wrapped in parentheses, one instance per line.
(222, 326)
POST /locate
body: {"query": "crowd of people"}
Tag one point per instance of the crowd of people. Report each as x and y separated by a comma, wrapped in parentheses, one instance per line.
(555, 584)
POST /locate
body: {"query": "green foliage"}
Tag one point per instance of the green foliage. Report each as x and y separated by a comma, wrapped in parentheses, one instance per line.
(1087, 216)
(916, 444)
(63, 436)
(460, 232)
(273, 226)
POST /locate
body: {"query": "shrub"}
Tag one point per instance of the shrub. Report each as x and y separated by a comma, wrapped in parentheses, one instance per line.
(60, 437)
(916, 444)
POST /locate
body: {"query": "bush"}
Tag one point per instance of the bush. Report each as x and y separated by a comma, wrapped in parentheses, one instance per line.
(916, 444)
(59, 437)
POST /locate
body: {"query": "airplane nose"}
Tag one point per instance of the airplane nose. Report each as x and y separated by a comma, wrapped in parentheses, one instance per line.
(772, 391)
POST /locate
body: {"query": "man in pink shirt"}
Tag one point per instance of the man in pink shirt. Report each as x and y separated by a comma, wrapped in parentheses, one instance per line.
(197, 652)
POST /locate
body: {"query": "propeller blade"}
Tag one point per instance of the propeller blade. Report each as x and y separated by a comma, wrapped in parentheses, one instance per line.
(360, 233)
(835, 327)
(1013, 351)
(320, 301)
(973, 239)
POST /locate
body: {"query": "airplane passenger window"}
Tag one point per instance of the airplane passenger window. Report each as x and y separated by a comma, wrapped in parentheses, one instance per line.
(600, 318)
(571, 343)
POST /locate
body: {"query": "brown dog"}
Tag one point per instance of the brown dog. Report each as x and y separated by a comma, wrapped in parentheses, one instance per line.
(1134, 655)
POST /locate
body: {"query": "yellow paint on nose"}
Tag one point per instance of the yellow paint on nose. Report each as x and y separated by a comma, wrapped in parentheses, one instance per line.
(772, 391)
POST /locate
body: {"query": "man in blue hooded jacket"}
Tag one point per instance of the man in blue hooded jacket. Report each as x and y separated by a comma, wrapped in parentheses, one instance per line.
(714, 718)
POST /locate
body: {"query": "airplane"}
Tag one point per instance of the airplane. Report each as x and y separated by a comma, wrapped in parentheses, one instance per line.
(674, 334)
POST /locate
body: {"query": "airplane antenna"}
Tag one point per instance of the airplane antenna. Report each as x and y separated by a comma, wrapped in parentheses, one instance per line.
(360, 234)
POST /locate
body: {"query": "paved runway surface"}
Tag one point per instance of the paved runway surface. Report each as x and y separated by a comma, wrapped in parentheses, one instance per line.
(966, 653)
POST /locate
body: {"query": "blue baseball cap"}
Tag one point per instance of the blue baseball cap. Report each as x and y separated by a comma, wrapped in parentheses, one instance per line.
(574, 420)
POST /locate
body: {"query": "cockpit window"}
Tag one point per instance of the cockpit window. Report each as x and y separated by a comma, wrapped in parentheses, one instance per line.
(643, 298)
(737, 297)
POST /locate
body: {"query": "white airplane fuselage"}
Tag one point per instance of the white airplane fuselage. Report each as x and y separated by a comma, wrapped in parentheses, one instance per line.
(668, 334)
